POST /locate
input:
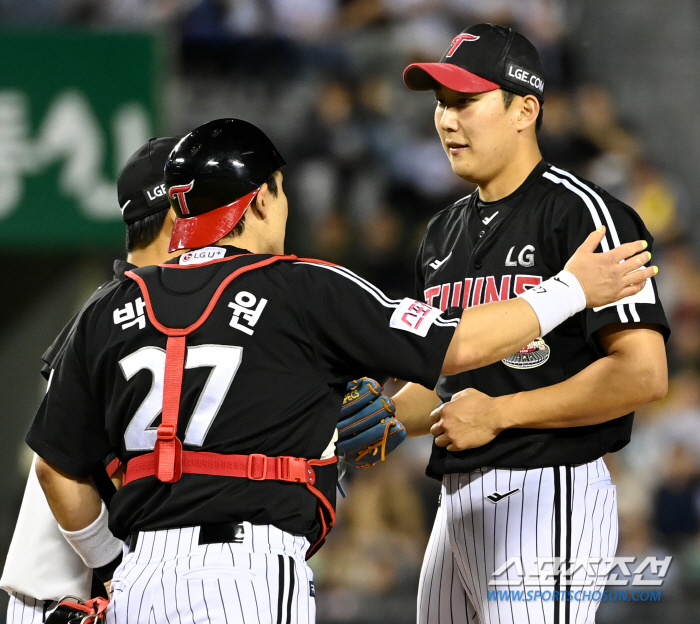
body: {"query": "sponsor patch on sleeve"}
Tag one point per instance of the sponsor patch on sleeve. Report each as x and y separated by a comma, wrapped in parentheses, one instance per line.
(414, 316)
(199, 256)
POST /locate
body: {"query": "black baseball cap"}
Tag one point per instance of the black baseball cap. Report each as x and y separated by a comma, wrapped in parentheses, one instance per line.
(483, 58)
(141, 187)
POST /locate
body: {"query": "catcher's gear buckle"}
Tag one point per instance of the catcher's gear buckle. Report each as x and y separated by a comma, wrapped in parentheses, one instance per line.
(167, 455)
(294, 469)
(257, 464)
(167, 432)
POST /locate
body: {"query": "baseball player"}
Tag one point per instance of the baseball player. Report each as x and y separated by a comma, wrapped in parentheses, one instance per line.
(523, 478)
(217, 379)
(41, 567)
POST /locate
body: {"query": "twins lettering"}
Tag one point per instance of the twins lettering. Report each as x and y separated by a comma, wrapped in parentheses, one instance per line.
(475, 291)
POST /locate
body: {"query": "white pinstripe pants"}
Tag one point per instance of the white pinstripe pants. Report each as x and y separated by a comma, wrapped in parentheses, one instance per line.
(23, 609)
(170, 579)
(564, 512)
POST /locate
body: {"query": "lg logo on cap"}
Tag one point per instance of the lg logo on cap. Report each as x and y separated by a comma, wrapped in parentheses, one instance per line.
(156, 194)
(523, 75)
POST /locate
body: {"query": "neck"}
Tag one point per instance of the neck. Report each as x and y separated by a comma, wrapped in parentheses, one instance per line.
(155, 253)
(252, 241)
(511, 177)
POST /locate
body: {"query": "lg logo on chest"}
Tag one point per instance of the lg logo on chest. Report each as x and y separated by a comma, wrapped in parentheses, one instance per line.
(526, 257)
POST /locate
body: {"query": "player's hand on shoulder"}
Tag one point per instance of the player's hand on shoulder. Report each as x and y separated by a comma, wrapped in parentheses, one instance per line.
(613, 275)
(367, 429)
(469, 420)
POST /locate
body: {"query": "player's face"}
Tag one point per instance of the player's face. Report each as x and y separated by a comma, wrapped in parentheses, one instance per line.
(477, 133)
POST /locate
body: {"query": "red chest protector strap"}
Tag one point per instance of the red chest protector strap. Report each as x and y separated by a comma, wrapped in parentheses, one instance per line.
(167, 455)
(168, 461)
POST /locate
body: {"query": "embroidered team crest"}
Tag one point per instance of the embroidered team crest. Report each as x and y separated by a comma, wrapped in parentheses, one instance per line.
(458, 41)
(179, 193)
(532, 356)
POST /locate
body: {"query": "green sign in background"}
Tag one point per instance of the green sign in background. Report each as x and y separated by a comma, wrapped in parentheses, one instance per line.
(73, 106)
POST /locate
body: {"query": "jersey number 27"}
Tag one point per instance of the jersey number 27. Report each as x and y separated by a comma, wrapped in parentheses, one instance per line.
(140, 434)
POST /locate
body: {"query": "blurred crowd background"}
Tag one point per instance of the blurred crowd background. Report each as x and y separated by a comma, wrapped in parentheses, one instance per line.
(366, 172)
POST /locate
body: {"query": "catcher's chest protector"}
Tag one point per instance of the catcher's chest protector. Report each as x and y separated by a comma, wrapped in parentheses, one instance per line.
(168, 461)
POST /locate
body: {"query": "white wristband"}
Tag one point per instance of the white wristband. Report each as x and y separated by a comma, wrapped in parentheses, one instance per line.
(95, 543)
(555, 300)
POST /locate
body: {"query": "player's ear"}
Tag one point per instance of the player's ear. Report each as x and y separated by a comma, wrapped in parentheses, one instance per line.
(529, 109)
(261, 203)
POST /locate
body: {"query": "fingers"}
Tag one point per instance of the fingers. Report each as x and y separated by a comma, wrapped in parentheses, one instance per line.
(635, 262)
(635, 276)
(628, 291)
(437, 429)
(441, 438)
(640, 276)
(594, 238)
(627, 250)
(637, 280)
(443, 441)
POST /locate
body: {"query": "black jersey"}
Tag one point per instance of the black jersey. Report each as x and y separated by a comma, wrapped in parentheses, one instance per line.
(266, 373)
(53, 353)
(56, 350)
(475, 252)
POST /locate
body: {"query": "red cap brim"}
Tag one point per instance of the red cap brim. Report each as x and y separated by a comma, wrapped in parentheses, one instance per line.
(207, 228)
(423, 76)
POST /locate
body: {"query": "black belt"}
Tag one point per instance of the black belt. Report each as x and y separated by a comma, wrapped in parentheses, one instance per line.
(218, 533)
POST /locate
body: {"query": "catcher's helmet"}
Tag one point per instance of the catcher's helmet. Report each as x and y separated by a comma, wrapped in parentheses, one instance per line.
(212, 175)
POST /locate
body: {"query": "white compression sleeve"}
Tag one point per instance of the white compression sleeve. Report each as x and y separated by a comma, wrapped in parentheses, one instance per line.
(555, 300)
(95, 543)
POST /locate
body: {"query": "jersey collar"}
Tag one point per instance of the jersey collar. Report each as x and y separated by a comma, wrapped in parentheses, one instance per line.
(120, 267)
(535, 174)
(231, 250)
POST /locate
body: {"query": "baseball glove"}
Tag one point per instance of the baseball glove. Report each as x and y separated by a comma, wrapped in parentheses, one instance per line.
(367, 429)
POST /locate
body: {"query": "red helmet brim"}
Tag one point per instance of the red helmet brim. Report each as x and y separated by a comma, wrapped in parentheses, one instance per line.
(207, 228)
